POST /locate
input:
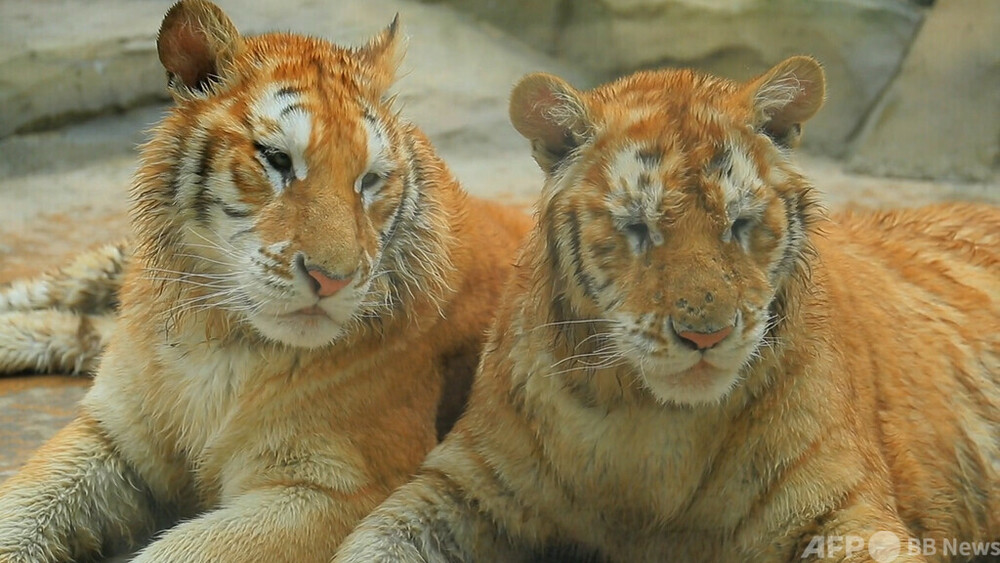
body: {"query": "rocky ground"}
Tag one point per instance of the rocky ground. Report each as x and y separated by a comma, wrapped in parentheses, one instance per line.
(63, 188)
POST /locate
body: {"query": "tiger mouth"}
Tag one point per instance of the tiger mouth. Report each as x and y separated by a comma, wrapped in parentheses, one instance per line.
(698, 372)
(699, 375)
(307, 312)
(702, 366)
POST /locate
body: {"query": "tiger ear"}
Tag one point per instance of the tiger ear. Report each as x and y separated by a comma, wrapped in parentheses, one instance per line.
(196, 44)
(552, 115)
(785, 97)
(382, 55)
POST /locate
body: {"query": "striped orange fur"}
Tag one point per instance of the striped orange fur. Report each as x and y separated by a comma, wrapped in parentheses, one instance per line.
(61, 320)
(307, 297)
(693, 363)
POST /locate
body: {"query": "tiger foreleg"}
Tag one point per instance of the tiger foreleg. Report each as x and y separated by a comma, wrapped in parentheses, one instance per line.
(75, 499)
(427, 520)
(297, 523)
(864, 530)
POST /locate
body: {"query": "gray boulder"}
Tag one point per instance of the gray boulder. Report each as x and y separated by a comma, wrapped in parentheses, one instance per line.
(861, 43)
(941, 117)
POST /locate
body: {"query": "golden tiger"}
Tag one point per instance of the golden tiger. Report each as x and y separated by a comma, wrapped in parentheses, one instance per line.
(692, 363)
(308, 293)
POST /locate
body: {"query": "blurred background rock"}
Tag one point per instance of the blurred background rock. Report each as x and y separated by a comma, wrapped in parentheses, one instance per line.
(913, 111)
(914, 86)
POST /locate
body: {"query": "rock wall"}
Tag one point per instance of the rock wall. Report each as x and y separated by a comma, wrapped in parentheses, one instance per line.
(941, 117)
(949, 67)
(104, 60)
(912, 83)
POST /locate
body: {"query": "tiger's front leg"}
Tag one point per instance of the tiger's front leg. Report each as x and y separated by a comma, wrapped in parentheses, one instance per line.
(860, 534)
(76, 498)
(866, 529)
(293, 522)
(428, 519)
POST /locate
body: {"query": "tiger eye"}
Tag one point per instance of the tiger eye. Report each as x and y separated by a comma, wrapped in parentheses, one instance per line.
(741, 228)
(369, 180)
(279, 160)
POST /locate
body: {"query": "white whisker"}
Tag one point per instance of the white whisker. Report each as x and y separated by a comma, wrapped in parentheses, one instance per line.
(611, 363)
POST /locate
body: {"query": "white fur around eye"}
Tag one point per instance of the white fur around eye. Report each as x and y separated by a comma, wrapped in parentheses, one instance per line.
(283, 129)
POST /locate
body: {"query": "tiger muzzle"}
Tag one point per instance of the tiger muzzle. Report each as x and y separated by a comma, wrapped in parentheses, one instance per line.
(704, 323)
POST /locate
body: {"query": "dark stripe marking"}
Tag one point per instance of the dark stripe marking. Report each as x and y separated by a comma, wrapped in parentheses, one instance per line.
(202, 200)
(291, 108)
(417, 173)
(234, 212)
(575, 243)
(644, 181)
(794, 235)
(649, 157)
(287, 91)
(240, 233)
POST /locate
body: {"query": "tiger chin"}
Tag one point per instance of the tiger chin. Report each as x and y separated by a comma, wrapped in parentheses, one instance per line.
(692, 362)
(303, 305)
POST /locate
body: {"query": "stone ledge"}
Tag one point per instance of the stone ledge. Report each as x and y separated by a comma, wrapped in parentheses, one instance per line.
(861, 43)
(941, 117)
(61, 59)
(64, 59)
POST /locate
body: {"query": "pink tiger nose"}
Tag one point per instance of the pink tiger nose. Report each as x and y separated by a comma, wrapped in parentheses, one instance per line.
(325, 286)
(705, 340)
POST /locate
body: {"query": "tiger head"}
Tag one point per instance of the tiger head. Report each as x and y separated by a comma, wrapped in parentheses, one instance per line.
(671, 212)
(282, 189)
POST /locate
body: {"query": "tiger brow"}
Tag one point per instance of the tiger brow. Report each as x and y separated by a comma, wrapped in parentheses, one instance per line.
(740, 197)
